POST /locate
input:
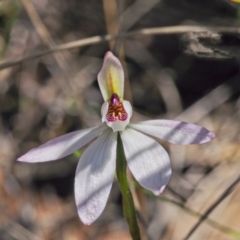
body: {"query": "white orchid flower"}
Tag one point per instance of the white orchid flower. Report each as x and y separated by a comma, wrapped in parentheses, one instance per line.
(146, 158)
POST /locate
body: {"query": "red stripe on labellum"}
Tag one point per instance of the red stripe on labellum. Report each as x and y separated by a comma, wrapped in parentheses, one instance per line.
(116, 109)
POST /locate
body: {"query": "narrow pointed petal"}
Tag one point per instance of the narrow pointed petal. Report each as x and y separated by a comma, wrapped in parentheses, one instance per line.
(175, 131)
(94, 177)
(62, 146)
(147, 160)
(111, 77)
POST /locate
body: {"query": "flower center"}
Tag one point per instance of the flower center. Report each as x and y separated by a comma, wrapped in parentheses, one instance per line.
(116, 110)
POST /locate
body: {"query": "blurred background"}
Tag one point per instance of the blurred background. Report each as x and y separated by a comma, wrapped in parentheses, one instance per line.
(190, 72)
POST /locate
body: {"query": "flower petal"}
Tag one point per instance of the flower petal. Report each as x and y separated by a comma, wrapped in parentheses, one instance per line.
(94, 176)
(147, 160)
(128, 108)
(111, 77)
(175, 131)
(62, 146)
(104, 111)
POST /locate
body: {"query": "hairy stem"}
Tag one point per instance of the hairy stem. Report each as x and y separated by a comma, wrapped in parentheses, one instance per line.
(128, 205)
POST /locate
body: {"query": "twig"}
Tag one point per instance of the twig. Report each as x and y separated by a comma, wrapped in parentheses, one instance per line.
(48, 41)
(210, 101)
(111, 18)
(209, 221)
(206, 104)
(38, 24)
(16, 230)
(192, 212)
(20, 233)
(100, 39)
(212, 207)
(135, 12)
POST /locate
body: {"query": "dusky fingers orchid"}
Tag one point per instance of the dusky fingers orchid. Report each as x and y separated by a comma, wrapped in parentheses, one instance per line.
(146, 158)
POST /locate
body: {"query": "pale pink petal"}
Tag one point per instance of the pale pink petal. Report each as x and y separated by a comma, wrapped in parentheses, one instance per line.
(175, 131)
(147, 160)
(111, 77)
(94, 176)
(62, 146)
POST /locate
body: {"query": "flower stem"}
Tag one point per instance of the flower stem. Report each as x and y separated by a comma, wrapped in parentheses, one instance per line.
(128, 205)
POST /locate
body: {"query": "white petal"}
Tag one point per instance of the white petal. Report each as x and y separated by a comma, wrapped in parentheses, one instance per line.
(62, 146)
(104, 111)
(111, 77)
(147, 160)
(94, 177)
(128, 108)
(175, 131)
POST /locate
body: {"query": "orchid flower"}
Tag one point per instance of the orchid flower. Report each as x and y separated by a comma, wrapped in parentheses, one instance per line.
(146, 158)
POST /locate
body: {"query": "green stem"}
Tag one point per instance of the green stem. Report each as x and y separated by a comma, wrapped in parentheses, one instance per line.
(128, 205)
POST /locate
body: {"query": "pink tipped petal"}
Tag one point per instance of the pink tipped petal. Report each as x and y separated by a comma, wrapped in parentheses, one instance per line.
(160, 191)
(147, 160)
(175, 131)
(94, 177)
(111, 77)
(62, 146)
